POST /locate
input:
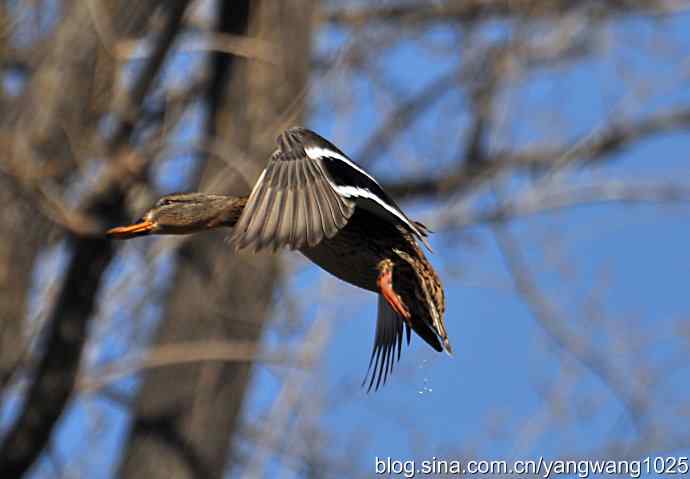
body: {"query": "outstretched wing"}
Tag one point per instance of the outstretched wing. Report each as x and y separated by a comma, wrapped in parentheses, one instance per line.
(293, 203)
(308, 191)
(352, 182)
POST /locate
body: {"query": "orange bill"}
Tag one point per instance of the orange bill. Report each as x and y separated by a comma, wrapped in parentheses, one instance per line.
(131, 231)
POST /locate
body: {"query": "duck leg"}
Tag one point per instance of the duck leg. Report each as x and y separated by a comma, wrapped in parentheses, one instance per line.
(385, 285)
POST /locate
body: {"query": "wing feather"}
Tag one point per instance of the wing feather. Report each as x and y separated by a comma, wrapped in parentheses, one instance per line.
(387, 339)
(274, 210)
(285, 231)
(294, 203)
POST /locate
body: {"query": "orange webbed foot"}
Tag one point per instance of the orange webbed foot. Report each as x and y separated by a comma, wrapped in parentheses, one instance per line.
(385, 285)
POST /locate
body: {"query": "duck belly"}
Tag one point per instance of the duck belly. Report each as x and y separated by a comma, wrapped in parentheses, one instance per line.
(347, 260)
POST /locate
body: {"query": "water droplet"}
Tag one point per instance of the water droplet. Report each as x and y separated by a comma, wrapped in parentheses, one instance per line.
(425, 386)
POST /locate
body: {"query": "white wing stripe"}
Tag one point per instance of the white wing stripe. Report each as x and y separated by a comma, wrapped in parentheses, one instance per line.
(350, 191)
(318, 153)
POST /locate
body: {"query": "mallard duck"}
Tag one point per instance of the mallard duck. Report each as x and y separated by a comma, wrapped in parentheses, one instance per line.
(313, 198)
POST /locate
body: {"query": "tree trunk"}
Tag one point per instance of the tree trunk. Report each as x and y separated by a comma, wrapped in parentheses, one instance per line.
(50, 131)
(186, 415)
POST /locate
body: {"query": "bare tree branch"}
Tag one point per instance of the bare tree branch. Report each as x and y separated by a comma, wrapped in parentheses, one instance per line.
(598, 148)
(538, 200)
(66, 329)
(473, 10)
(549, 319)
(183, 353)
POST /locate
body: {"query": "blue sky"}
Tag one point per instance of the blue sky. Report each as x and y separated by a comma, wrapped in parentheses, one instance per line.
(627, 257)
(629, 260)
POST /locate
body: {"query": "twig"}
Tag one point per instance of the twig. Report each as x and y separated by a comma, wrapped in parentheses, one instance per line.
(545, 313)
(184, 353)
(611, 140)
(553, 199)
(241, 46)
(66, 328)
(287, 400)
(470, 10)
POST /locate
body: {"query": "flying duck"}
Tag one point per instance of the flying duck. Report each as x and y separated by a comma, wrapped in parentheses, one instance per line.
(313, 198)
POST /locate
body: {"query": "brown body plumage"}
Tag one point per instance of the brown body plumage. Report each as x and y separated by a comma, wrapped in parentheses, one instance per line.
(301, 203)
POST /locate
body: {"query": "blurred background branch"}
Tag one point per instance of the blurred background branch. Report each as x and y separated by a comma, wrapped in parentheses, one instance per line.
(543, 140)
